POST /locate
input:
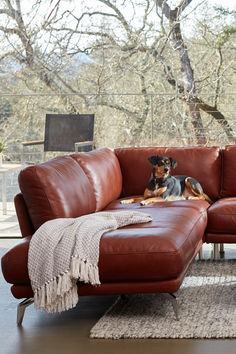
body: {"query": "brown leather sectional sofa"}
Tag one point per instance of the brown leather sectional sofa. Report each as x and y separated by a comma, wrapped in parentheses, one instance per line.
(151, 257)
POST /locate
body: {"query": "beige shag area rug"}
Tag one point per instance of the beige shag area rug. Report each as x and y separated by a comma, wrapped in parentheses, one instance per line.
(207, 308)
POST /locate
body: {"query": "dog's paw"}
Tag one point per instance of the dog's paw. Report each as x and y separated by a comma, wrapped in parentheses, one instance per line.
(123, 202)
(143, 203)
(192, 198)
(126, 201)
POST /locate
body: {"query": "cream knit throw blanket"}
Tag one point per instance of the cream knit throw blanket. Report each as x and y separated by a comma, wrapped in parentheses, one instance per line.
(63, 251)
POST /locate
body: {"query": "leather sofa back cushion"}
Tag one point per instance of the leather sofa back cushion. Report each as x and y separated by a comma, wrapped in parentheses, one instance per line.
(57, 188)
(103, 171)
(228, 188)
(200, 162)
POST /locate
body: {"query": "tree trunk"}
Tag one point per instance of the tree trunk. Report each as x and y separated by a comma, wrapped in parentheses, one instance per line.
(188, 76)
(220, 118)
(197, 122)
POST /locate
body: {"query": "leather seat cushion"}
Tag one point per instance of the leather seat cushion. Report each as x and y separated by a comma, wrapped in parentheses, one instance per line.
(156, 250)
(222, 216)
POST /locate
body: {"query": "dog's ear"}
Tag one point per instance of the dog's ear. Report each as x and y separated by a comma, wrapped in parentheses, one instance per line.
(153, 159)
(173, 163)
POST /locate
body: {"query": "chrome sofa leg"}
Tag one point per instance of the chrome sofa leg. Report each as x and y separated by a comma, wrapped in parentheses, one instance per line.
(200, 254)
(222, 251)
(175, 304)
(216, 251)
(21, 309)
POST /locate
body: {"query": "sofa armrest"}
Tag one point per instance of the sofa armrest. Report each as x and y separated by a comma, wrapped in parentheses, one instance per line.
(14, 263)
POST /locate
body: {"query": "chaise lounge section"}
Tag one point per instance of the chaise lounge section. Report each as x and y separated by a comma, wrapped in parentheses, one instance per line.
(144, 258)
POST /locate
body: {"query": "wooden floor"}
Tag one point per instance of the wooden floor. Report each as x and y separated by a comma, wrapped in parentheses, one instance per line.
(68, 332)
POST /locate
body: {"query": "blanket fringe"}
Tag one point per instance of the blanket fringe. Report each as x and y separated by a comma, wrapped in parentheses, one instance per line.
(60, 293)
(84, 271)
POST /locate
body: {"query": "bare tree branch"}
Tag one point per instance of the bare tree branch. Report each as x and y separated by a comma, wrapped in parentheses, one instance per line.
(162, 4)
(182, 6)
(144, 17)
(94, 13)
(217, 88)
(120, 17)
(89, 33)
(6, 12)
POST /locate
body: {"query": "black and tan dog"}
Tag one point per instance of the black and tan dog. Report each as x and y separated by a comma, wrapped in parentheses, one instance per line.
(163, 186)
